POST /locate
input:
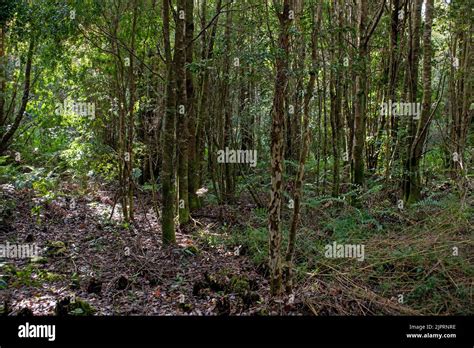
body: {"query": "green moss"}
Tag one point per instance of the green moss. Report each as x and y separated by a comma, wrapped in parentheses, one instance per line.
(239, 284)
(56, 248)
(74, 307)
(81, 308)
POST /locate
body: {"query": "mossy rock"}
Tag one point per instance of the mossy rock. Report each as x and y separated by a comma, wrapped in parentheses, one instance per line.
(225, 281)
(56, 248)
(239, 284)
(186, 307)
(74, 307)
(214, 282)
(225, 272)
(81, 307)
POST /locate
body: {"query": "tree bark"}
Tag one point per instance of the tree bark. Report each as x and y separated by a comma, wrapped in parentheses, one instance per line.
(167, 186)
(425, 120)
(193, 177)
(6, 137)
(413, 62)
(182, 112)
(360, 95)
(303, 155)
(277, 148)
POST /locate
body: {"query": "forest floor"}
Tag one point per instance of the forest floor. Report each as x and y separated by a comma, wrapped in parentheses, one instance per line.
(92, 263)
(120, 269)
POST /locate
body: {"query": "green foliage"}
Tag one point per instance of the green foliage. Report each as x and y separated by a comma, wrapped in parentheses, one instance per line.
(37, 178)
(31, 275)
(7, 9)
(3, 284)
(80, 308)
(239, 284)
(255, 240)
(8, 171)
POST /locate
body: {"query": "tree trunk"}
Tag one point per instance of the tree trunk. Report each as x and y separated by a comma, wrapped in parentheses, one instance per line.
(418, 145)
(2, 74)
(302, 157)
(277, 149)
(360, 101)
(6, 138)
(167, 177)
(413, 61)
(193, 178)
(182, 112)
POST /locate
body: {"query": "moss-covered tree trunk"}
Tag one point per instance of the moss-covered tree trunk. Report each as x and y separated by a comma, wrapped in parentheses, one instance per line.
(358, 164)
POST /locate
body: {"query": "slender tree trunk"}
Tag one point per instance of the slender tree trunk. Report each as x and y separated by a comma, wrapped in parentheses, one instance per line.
(204, 119)
(6, 137)
(228, 193)
(325, 127)
(360, 101)
(168, 191)
(336, 99)
(413, 61)
(303, 155)
(363, 37)
(425, 120)
(131, 114)
(193, 177)
(391, 131)
(182, 112)
(277, 149)
(2, 75)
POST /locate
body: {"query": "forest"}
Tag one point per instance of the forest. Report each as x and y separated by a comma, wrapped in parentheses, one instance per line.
(236, 157)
